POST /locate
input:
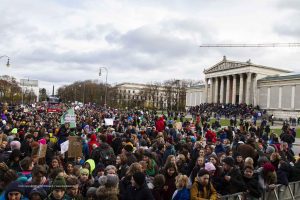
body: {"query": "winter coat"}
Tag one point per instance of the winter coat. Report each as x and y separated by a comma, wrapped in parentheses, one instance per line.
(92, 142)
(158, 193)
(182, 194)
(235, 184)
(160, 124)
(199, 192)
(296, 172)
(170, 183)
(142, 193)
(253, 187)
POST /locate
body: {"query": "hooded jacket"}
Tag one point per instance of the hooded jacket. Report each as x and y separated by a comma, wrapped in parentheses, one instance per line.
(92, 142)
(92, 165)
(199, 192)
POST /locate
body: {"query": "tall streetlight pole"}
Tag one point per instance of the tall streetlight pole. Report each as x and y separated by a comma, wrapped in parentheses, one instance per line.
(5, 56)
(105, 83)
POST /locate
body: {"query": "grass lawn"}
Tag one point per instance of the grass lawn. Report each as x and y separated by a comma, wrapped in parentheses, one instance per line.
(278, 132)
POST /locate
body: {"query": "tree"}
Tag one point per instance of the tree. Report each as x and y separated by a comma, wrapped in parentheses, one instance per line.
(43, 94)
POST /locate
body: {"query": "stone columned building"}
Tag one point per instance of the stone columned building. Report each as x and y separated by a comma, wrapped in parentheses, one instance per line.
(273, 89)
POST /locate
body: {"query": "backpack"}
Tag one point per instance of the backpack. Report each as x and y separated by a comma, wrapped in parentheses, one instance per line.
(105, 156)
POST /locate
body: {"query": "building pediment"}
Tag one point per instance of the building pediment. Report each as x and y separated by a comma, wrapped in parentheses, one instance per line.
(225, 65)
(228, 65)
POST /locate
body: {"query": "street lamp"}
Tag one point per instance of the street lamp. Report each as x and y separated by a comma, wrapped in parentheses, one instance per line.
(105, 83)
(5, 56)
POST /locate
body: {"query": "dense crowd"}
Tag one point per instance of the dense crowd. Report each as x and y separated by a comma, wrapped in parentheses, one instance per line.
(143, 155)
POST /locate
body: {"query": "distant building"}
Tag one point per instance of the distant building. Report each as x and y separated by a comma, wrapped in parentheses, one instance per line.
(146, 95)
(275, 90)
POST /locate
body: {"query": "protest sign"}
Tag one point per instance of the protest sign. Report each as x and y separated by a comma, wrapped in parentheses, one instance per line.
(75, 147)
(69, 117)
(64, 147)
(42, 151)
(109, 121)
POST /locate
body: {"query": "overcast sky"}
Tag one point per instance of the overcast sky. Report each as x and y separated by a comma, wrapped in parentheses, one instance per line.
(62, 41)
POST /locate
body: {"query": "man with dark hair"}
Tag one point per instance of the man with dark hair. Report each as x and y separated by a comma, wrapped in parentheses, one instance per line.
(232, 179)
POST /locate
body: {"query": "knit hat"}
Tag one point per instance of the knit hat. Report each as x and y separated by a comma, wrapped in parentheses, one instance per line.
(112, 181)
(270, 150)
(59, 182)
(209, 167)
(139, 178)
(84, 171)
(229, 161)
(202, 172)
(40, 191)
(91, 192)
(14, 186)
(268, 167)
(15, 145)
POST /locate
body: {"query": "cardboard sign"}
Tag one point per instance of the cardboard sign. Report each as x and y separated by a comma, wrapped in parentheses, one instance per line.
(42, 150)
(75, 147)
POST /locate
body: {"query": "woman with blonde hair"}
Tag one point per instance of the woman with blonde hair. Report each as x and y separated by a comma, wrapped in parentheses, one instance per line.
(182, 193)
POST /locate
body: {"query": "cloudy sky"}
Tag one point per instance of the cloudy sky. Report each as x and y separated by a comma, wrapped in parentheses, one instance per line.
(62, 41)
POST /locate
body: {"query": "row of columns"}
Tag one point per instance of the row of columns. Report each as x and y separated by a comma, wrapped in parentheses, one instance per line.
(215, 93)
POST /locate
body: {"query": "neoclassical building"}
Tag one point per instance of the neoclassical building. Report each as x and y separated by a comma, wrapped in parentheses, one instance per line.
(276, 90)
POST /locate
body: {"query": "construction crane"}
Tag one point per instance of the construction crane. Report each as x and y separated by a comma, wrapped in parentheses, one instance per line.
(253, 45)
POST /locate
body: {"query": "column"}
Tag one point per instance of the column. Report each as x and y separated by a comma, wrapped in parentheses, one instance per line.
(241, 96)
(234, 89)
(227, 88)
(222, 90)
(293, 97)
(247, 100)
(216, 90)
(211, 90)
(254, 90)
(206, 90)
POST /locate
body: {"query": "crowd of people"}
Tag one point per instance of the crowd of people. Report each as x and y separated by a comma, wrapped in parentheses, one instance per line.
(143, 155)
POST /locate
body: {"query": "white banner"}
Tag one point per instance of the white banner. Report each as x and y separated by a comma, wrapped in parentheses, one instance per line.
(64, 147)
(109, 121)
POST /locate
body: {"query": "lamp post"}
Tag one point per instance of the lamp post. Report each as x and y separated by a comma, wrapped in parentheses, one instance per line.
(5, 56)
(105, 83)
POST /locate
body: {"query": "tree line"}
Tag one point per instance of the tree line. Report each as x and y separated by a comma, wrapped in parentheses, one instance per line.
(166, 95)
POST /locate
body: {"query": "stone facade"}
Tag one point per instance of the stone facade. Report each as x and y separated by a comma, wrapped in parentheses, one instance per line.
(275, 90)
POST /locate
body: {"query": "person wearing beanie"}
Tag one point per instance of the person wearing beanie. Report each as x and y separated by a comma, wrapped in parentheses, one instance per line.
(267, 178)
(139, 189)
(15, 145)
(38, 193)
(108, 189)
(14, 191)
(231, 179)
(210, 167)
(202, 188)
(58, 189)
(86, 181)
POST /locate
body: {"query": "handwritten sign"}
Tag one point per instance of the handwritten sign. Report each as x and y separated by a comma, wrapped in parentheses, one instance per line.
(42, 151)
(75, 147)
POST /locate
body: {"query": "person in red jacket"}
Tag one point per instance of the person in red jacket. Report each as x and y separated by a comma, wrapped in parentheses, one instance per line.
(160, 124)
(211, 137)
(93, 142)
